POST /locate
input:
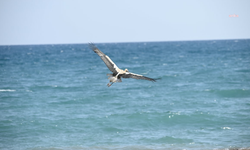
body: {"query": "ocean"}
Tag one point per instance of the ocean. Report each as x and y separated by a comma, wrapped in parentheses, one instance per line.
(55, 97)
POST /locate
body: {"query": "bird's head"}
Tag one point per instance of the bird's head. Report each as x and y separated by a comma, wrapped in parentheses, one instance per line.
(126, 70)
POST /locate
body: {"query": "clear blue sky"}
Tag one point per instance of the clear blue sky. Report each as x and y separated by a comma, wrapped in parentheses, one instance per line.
(82, 21)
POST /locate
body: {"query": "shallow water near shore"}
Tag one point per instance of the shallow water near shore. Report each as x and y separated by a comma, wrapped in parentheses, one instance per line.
(55, 96)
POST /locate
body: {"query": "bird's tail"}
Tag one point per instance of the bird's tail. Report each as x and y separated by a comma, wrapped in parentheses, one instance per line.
(110, 75)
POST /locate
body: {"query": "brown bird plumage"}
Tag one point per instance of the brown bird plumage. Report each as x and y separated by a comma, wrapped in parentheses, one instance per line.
(117, 73)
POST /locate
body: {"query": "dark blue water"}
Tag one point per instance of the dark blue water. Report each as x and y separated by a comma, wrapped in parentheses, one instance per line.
(55, 96)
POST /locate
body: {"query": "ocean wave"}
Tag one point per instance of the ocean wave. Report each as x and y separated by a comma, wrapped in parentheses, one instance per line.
(169, 139)
(232, 93)
(142, 147)
(7, 90)
(243, 70)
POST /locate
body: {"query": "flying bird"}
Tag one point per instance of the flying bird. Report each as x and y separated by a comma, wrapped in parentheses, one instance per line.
(117, 73)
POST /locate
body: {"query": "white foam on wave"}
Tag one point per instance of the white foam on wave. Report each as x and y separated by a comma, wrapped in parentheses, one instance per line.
(7, 90)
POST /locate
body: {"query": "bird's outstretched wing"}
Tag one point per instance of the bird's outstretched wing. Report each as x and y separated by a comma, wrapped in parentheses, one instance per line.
(136, 76)
(109, 63)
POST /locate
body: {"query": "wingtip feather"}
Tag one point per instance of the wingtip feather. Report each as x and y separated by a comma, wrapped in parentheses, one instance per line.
(154, 80)
(92, 46)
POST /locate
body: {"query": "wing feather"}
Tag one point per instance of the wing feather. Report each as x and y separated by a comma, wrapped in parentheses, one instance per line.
(136, 76)
(109, 63)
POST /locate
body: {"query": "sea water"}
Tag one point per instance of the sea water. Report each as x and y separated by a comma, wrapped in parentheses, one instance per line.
(56, 96)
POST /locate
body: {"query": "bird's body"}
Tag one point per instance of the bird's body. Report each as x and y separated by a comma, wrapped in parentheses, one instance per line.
(117, 72)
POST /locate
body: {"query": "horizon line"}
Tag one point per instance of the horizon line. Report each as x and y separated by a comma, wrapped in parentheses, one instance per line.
(123, 42)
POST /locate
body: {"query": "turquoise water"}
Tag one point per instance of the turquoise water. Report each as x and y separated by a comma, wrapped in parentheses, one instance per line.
(55, 96)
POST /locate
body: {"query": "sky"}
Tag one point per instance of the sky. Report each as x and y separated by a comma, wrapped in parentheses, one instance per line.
(25, 22)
